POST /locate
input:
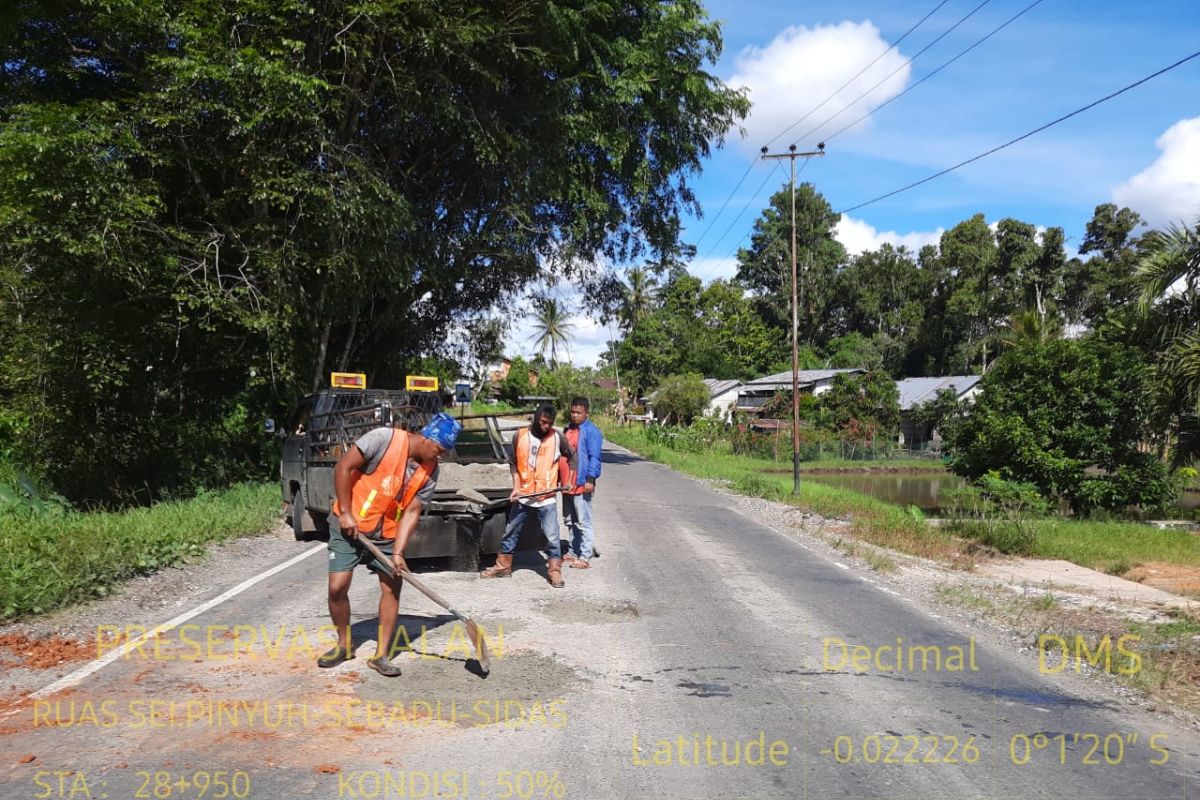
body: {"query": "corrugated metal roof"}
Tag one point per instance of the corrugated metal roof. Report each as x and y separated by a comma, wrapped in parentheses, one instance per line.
(717, 387)
(914, 391)
(806, 376)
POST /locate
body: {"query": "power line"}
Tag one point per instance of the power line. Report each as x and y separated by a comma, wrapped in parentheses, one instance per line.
(712, 221)
(849, 105)
(775, 239)
(1011, 142)
(961, 53)
(753, 161)
(859, 74)
(745, 208)
(750, 202)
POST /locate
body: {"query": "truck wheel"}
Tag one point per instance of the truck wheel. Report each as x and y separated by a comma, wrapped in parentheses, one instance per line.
(298, 512)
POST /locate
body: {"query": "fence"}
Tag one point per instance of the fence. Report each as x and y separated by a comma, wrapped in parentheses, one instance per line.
(776, 445)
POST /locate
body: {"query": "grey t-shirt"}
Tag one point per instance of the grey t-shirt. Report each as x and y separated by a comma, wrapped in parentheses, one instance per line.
(375, 443)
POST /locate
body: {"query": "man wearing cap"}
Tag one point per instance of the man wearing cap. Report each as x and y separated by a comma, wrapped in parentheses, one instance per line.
(381, 483)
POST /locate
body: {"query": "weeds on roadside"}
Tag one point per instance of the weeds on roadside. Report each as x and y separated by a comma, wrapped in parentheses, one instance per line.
(48, 560)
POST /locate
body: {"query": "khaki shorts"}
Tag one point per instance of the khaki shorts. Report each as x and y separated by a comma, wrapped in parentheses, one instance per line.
(345, 555)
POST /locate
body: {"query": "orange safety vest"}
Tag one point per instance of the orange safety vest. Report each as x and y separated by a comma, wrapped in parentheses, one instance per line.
(543, 475)
(380, 498)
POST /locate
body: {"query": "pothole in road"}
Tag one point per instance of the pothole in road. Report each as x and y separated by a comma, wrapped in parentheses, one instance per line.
(522, 690)
(590, 612)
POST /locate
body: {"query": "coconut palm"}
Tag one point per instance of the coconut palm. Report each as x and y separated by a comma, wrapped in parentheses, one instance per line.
(1168, 277)
(552, 328)
(639, 296)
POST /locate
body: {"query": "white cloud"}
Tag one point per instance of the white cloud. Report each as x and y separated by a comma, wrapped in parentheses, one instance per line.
(802, 67)
(1169, 189)
(857, 236)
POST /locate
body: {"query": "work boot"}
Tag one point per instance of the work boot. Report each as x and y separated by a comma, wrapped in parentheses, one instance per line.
(554, 573)
(502, 568)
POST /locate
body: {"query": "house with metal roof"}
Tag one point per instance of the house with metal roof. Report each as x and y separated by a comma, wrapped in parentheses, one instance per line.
(758, 392)
(915, 391)
(722, 394)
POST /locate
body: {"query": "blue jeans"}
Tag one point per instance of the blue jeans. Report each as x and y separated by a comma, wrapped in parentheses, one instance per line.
(547, 517)
(577, 513)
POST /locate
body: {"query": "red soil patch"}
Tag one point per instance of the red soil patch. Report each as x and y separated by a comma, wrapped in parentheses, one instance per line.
(1175, 578)
(45, 653)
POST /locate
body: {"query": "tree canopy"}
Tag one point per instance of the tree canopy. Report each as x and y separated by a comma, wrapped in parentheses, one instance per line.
(204, 208)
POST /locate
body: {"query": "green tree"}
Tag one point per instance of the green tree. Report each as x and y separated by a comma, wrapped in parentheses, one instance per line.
(1168, 277)
(863, 407)
(204, 208)
(516, 384)
(1068, 416)
(680, 399)
(881, 295)
(1104, 283)
(766, 265)
(639, 296)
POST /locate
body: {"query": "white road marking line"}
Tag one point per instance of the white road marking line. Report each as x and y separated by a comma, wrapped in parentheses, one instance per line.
(75, 677)
(840, 564)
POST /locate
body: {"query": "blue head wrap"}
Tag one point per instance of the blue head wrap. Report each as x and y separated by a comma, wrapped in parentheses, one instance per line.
(442, 430)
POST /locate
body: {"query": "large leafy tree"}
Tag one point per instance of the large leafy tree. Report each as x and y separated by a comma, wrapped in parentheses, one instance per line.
(204, 207)
(1104, 284)
(1068, 416)
(881, 297)
(766, 265)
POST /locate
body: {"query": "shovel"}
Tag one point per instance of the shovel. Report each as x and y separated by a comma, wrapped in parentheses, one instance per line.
(481, 650)
(488, 505)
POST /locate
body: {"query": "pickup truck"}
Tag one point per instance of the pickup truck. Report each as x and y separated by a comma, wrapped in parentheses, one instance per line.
(325, 424)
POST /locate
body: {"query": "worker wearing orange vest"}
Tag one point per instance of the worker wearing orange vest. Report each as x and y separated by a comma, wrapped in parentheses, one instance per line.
(381, 483)
(538, 453)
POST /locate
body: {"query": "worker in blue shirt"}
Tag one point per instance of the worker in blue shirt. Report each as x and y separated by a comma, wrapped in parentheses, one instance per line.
(586, 439)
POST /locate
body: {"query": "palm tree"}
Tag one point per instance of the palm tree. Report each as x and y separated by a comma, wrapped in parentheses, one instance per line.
(639, 295)
(1030, 325)
(1168, 276)
(552, 328)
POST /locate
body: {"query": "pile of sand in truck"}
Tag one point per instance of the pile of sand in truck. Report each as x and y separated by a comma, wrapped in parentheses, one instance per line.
(473, 476)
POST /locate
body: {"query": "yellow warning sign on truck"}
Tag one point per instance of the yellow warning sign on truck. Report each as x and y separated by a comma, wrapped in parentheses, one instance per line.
(421, 383)
(348, 380)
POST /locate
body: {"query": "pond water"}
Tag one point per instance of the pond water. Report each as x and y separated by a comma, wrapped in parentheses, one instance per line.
(921, 489)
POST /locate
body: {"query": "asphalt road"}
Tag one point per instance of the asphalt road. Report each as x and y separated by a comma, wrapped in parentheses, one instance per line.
(701, 637)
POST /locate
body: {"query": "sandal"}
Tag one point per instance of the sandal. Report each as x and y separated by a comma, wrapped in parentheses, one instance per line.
(579, 563)
(569, 559)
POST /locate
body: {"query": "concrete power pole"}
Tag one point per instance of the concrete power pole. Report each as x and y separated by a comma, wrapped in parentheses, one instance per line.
(792, 155)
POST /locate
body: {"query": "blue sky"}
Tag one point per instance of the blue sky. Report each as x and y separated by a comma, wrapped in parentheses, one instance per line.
(1141, 149)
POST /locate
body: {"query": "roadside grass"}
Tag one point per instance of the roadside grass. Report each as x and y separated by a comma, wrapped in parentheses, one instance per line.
(51, 560)
(1105, 546)
(1108, 546)
(964, 596)
(871, 520)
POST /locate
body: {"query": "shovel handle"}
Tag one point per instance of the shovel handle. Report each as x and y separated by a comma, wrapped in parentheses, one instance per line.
(407, 576)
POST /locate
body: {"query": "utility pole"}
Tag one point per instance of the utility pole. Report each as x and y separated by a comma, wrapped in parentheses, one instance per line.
(792, 155)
